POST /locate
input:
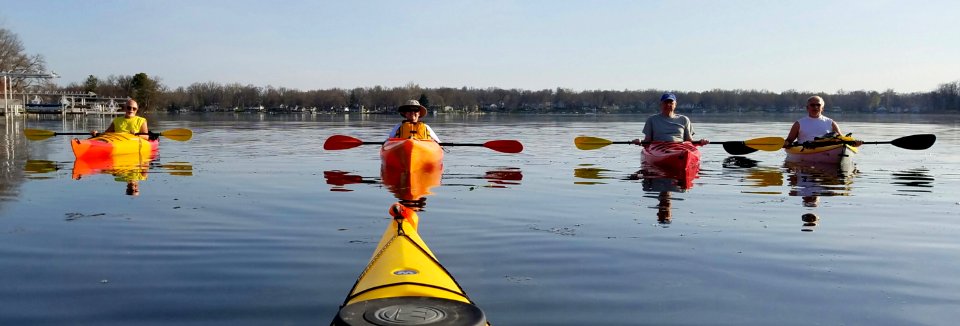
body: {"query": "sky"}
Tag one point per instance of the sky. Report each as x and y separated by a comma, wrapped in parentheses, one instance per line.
(814, 46)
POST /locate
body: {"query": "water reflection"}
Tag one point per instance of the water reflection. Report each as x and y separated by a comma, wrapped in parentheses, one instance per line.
(13, 151)
(130, 169)
(412, 189)
(41, 169)
(663, 188)
(664, 183)
(340, 179)
(914, 180)
(811, 181)
(589, 171)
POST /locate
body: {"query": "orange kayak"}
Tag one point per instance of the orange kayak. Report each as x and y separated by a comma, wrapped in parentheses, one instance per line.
(411, 155)
(113, 144)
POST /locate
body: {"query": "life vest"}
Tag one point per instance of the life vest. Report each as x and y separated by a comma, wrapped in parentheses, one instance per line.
(413, 130)
(132, 125)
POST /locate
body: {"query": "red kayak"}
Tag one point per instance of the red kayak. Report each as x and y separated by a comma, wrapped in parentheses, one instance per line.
(676, 160)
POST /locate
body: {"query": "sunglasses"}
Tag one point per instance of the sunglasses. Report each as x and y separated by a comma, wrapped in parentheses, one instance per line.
(816, 105)
(130, 108)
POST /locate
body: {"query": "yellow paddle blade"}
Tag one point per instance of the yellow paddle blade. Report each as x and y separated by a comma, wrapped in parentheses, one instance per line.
(770, 144)
(38, 134)
(181, 134)
(587, 143)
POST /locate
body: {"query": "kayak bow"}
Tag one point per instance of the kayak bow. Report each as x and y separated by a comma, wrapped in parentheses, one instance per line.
(405, 284)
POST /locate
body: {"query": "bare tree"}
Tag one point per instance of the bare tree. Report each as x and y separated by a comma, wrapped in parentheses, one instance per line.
(13, 58)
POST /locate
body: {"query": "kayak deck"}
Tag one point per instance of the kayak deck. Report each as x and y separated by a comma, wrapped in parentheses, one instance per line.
(405, 284)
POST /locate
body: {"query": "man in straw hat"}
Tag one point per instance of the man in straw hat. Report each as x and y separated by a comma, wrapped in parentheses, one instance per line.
(411, 126)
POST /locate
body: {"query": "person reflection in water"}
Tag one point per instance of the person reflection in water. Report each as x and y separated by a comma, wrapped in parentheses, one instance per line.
(664, 188)
(133, 188)
(663, 208)
(810, 220)
(132, 177)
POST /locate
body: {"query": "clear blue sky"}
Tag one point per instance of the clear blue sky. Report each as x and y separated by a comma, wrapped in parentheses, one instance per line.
(583, 45)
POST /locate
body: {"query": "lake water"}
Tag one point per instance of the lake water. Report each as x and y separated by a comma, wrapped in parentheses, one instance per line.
(252, 223)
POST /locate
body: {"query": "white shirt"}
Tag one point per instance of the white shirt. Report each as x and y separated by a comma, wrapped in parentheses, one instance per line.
(811, 128)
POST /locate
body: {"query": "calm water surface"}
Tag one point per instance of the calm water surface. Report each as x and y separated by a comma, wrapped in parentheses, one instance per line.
(252, 223)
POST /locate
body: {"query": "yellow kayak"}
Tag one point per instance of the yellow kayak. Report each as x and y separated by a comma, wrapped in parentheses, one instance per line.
(405, 284)
(836, 150)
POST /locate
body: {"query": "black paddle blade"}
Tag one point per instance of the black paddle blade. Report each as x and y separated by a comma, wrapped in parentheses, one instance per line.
(737, 148)
(915, 142)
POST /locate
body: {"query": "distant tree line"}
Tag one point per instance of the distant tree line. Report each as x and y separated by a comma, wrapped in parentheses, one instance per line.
(212, 96)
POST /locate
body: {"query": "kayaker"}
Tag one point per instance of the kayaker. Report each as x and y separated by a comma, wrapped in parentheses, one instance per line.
(129, 122)
(814, 125)
(411, 126)
(667, 125)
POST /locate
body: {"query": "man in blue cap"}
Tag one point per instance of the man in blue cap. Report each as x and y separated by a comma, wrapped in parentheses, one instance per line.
(668, 126)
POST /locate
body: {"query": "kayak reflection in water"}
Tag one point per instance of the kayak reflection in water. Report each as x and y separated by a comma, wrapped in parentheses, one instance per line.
(810, 182)
(127, 169)
(414, 204)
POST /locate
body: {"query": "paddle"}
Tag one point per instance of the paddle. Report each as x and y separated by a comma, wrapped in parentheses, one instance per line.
(769, 144)
(181, 134)
(734, 147)
(338, 142)
(912, 142)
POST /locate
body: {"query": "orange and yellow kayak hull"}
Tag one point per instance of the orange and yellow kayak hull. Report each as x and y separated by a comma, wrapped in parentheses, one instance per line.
(113, 144)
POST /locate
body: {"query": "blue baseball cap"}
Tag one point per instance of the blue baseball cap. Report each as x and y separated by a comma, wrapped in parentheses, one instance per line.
(668, 96)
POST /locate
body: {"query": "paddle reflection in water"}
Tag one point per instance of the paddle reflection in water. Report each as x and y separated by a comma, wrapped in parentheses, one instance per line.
(41, 169)
(412, 188)
(588, 171)
(757, 176)
(913, 180)
(340, 179)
